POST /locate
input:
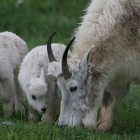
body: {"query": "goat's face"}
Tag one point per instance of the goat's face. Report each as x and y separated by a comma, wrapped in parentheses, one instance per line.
(73, 99)
(38, 94)
(73, 90)
(72, 87)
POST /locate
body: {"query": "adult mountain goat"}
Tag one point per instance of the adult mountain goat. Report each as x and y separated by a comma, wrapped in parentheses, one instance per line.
(107, 46)
(12, 51)
(37, 78)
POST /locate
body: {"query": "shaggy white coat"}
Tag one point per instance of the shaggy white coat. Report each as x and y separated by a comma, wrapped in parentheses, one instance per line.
(112, 29)
(37, 78)
(12, 51)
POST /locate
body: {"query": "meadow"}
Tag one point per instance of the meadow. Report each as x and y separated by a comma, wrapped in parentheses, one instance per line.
(34, 21)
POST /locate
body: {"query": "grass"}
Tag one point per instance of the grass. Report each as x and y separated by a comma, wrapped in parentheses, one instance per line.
(34, 21)
(126, 125)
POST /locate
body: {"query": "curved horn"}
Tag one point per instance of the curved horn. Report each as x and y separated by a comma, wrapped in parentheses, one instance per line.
(49, 48)
(65, 68)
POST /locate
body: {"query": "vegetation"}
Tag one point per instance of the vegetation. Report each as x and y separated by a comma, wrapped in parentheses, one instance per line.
(34, 21)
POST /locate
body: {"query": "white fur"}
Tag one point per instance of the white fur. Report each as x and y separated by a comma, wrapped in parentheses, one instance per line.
(85, 32)
(36, 72)
(12, 51)
(90, 119)
(112, 29)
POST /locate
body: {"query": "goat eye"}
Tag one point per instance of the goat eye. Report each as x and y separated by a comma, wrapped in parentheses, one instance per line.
(33, 97)
(72, 89)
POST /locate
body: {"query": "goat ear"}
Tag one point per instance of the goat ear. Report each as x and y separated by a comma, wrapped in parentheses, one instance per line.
(83, 66)
(42, 74)
(88, 55)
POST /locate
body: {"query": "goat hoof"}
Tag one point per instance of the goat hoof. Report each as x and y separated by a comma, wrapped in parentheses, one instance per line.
(104, 127)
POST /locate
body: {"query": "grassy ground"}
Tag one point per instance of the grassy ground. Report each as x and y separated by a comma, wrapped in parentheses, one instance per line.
(34, 21)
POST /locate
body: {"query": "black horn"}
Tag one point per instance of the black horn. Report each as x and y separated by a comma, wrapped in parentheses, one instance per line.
(49, 48)
(65, 68)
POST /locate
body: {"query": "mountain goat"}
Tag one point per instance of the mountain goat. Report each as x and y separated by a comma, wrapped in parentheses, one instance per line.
(38, 80)
(107, 52)
(12, 51)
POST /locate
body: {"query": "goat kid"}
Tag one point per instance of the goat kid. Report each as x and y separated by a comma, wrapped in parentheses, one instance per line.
(12, 51)
(37, 78)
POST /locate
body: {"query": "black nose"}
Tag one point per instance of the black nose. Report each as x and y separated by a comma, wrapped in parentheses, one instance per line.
(43, 109)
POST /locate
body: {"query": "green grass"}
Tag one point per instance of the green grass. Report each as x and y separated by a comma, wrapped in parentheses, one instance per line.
(34, 21)
(126, 125)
